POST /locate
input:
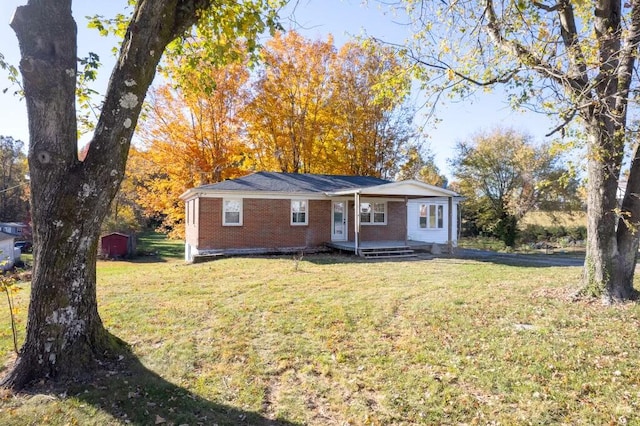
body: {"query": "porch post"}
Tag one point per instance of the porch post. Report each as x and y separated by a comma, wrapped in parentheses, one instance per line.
(406, 220)
(356, 220)
(450, 226)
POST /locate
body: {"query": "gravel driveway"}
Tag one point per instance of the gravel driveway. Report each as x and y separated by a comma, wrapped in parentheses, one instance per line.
(555, 259)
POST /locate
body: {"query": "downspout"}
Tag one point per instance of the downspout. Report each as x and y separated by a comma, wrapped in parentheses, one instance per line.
(356, 221)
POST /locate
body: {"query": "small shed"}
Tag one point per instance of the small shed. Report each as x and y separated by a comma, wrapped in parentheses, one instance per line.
(7, 252)
(117, 245)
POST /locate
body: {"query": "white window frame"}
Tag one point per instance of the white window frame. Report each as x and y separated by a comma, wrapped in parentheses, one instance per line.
(439, 216)
(225, 201)
(305, 211)
(195, 208)
(372, 217)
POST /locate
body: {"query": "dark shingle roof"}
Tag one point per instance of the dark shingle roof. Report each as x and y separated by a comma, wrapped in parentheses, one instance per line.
(4, 236)
(294, 182)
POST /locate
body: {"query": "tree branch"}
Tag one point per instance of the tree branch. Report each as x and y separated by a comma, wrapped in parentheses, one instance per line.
(569, 32)
(629, 51)
(543, 6)
(568, 119)
(154, 24)
(443, 66)
(528, 58)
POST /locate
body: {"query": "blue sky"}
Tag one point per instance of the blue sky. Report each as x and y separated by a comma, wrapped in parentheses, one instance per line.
(314, 19)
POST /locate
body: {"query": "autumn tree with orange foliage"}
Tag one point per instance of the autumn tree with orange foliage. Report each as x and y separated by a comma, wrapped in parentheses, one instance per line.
(318, 110)
(287, 119)
(309, 108)
(190, 136)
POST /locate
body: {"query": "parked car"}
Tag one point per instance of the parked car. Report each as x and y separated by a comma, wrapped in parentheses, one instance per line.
(24, 246)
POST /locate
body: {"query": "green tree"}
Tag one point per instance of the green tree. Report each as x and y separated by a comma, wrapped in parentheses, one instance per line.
(575, 61)
(70, 198)
(14, 202)
(503, 176)
(421, 167)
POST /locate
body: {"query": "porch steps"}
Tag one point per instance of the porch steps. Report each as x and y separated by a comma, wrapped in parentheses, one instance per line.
(386, 252)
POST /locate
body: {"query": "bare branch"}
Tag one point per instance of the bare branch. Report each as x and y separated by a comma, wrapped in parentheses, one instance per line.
(543, 6)
(568, 119)
(569, 34)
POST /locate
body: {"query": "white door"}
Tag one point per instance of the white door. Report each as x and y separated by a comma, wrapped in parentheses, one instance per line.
(339, 230)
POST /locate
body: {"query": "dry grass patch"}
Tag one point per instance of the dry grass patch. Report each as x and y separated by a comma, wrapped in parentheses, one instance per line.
(567, 219)
(347, 341)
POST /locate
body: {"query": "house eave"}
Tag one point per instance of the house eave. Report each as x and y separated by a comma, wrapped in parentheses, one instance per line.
(203, 193)
(408, 189)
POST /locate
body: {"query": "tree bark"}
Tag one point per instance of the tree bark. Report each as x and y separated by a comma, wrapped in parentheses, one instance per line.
(69, 198)
(601, 97)
(612, 239)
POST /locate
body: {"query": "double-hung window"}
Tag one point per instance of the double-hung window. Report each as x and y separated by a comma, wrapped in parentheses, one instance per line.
(232, 212)
(373, 213)
(299, 212)
(431, 216)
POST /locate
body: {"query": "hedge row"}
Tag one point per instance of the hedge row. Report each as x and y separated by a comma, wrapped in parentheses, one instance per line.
(539, 233)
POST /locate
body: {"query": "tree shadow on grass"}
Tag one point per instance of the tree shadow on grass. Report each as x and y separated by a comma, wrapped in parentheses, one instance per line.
(136, 395)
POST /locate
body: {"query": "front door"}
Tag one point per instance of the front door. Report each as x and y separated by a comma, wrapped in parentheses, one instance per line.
(339, 221)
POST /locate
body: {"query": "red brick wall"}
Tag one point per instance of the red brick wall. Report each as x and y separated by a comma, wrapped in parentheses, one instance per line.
(394, 230)
(265, 224)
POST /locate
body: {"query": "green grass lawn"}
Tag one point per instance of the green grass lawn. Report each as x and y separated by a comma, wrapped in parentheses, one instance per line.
(345, 341)
(157, 244)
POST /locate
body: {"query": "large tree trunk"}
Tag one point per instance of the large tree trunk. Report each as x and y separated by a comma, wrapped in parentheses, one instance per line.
(628, 233)
(69, 198)
(612, 239)
(612, 242)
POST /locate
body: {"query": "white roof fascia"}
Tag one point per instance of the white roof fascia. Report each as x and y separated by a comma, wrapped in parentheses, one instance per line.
(412, 188)
(352, 191)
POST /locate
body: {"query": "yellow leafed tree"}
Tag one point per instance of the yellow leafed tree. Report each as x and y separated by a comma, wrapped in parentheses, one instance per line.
(319, 110)
(371, 125)
(287, 119)
(190, 136)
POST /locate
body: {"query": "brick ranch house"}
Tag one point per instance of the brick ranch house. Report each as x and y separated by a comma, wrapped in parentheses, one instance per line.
(288, 212)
